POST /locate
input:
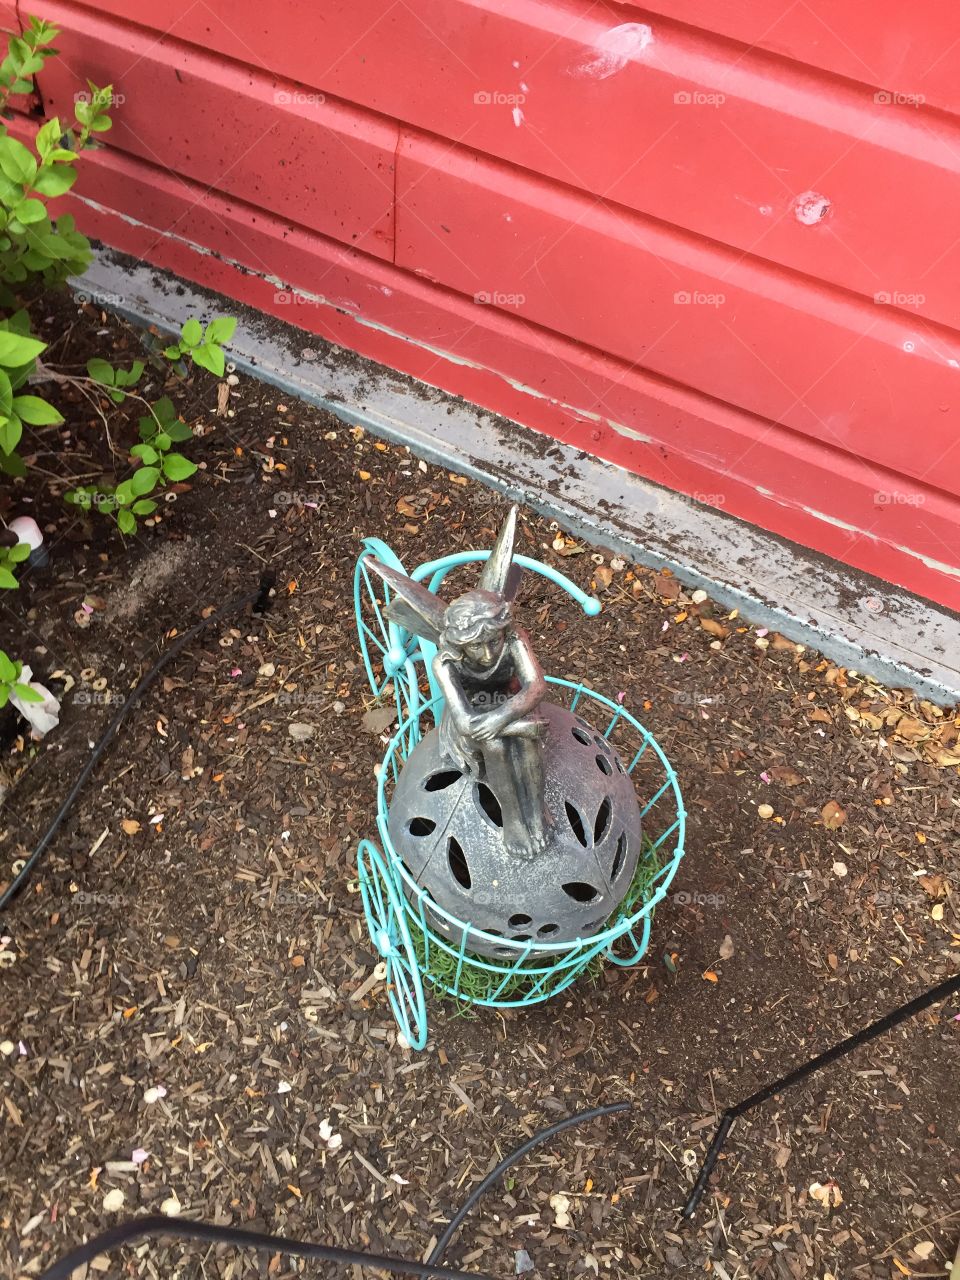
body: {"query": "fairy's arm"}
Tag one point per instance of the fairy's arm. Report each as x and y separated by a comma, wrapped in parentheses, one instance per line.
(456, 704)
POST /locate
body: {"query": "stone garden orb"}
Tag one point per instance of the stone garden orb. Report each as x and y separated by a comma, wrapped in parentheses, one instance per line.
(447, 828)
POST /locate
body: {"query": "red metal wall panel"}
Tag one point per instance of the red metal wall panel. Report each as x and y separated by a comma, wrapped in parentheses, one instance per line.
(680, 238)
(733, 163)
(320, 163)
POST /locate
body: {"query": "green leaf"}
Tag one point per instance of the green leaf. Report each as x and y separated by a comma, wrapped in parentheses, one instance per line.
(36, 411)
(7, 580)
(124, 492)
(54, 182)
(11, 193)
(164, 411)
(162, 441)
(126, 521)
(192, 332)
(28, 211)
(12, 464)
(179, 431)
(144, 452)
(144, 507)
(19, 552)
(100, 124)
(177, 467)
(48, 136)
(16, 350)
(4, 695)
(11, 433)
(130, 377)
(211, 358)
(16, 161)
(100, 371)
(8, 669)
(144, 479)
(26, 694)
(221, 329)
(172, 353)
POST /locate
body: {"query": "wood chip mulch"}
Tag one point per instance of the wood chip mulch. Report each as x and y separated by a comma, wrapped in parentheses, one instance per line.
(186, 1016)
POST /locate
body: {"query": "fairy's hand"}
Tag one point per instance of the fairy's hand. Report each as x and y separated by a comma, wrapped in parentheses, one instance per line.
(483, 728)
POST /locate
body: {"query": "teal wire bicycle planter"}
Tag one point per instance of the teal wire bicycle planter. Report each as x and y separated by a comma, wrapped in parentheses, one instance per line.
(423, 945)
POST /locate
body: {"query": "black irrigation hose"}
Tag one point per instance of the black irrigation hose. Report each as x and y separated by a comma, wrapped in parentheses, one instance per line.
(259, 596)
(494, 1175)
(940, 992)
(153, 1227)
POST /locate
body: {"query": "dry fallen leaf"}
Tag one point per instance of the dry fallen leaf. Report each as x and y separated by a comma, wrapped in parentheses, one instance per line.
(666, 585)
(783, 773)
(715, 628)
(924, 1249)
(833, 815)
(378, 719)
(130, 826)
(727, 947)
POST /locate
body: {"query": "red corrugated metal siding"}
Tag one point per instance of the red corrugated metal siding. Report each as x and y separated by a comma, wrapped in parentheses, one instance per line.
(638, 192)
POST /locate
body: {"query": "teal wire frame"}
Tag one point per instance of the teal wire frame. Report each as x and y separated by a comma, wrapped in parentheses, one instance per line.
(417, 939)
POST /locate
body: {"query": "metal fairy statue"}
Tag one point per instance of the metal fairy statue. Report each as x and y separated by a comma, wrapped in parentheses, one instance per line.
(492, 685)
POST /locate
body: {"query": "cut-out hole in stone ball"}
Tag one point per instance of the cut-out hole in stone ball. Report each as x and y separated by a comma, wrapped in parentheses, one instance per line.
(601, 743)
(458, 864)
(522, 937)
(422, 826)
(603, 820)
(489, 804)
(580, 891)
(616, 761)
(581, 735)
(546, 930)
(604, 765)
(440, 781)
(619, 856)
(518, 921)
(576, 823)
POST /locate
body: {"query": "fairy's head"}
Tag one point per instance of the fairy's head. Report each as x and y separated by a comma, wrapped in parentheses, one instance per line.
(475, 628)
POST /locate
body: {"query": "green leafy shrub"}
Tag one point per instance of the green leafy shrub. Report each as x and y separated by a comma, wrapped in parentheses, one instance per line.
(37, 250)
(10, 682)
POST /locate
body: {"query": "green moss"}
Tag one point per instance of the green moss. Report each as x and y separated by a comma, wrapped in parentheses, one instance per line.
(477, 983)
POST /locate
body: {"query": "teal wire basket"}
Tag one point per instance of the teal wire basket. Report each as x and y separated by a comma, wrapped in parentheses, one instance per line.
(423, 946)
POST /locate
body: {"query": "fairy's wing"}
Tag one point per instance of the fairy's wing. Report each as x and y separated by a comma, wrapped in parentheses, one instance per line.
(500, 575)
(411, 605)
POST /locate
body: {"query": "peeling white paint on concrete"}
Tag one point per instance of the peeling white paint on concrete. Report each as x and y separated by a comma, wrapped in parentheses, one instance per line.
(612, 51)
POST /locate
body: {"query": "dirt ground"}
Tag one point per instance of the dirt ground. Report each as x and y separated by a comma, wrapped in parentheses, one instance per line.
(187, 1018)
